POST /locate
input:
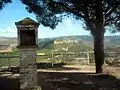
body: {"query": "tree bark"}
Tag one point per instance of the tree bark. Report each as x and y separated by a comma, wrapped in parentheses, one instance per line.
(99, 37)
(99, 48)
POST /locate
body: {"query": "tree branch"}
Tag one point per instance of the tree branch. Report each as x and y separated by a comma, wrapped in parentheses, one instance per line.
(111, 19)
(71, 10)
(113, 9)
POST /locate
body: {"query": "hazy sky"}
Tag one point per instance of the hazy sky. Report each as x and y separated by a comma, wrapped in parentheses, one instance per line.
(16, 11)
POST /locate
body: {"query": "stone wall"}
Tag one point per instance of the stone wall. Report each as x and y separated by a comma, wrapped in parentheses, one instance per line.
(28, 68)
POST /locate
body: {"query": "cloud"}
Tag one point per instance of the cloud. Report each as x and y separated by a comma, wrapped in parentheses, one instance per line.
(9, 31)
(68, 24)
(2, 30)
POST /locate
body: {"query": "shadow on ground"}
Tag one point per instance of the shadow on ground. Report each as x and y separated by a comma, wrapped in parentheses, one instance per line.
(77, 81)
(57, 66)
(9, 83)
(44, 65)
(66, 81)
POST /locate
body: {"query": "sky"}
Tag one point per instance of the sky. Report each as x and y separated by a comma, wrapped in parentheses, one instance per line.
(16, 11)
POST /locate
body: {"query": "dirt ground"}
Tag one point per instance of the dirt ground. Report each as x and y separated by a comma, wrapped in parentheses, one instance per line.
(66, 78)
(77, 81)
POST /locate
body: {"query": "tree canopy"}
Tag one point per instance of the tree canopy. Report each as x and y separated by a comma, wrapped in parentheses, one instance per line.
(50, 12)
(3, 3)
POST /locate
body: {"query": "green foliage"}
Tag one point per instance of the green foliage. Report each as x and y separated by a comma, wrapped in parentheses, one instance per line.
(46, 43)
(9, 59)
(51, 12)
(80, 48)
(85, 43)
(3, 3)
(43, 12)
(44, 50)
(15, 52)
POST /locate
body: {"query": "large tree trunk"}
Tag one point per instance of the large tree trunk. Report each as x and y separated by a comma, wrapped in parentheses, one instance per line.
(99, 37)
(99, 48)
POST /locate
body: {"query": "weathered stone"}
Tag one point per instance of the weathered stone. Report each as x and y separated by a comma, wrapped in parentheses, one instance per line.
(28, 69)
(27, 43)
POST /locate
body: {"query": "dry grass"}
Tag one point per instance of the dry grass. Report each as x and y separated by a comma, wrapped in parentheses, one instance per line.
(114, 71)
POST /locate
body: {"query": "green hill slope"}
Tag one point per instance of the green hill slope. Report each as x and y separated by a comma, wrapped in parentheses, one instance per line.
(84, 43)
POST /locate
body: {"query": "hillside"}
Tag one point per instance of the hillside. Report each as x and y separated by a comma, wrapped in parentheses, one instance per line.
(7, 40)
(84, 43)
(110, 41)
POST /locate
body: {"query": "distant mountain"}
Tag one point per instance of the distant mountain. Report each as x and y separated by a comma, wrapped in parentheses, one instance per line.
(8, 40)
(109, 40)
(85, 40)
(112, 41)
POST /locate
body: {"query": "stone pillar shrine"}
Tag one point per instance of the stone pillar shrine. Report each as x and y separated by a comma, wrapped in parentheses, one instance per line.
(27, 44)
